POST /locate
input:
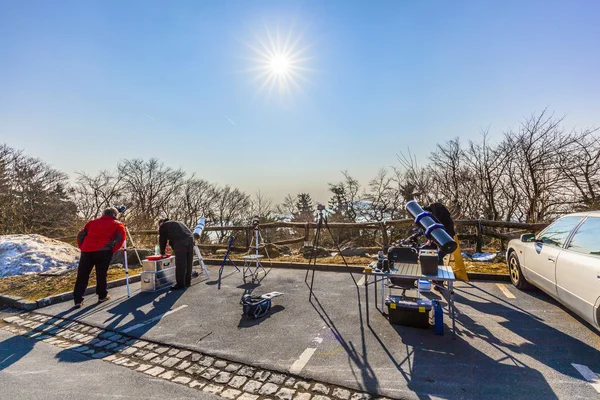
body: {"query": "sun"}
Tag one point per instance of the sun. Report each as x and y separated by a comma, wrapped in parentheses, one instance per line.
(280, 63)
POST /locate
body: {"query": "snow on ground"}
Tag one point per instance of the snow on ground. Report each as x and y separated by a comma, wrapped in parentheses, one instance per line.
(31, 254)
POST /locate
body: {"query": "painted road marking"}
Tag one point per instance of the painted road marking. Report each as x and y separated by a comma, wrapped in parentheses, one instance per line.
(505, 290)
(588, 375)
(151, 320)
(361, 282)
(301, 362)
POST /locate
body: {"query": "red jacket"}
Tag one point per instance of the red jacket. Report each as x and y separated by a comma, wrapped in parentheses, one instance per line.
(104, 233)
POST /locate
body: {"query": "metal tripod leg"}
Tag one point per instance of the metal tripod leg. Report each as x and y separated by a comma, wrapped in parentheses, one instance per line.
(197, 251)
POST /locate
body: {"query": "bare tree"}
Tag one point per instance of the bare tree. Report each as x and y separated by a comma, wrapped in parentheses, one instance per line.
(93, 194)
(581, 166)
(262, 206)
(345, 200)
(195, 199)
(232, 207)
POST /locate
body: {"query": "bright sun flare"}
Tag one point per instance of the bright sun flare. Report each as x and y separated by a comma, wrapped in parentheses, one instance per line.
(280, 63)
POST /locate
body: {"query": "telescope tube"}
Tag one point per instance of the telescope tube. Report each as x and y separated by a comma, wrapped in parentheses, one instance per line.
(433, 230)
(199, 228)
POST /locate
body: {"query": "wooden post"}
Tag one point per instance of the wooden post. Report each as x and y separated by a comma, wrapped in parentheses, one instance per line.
(384, 236)
(479, 237)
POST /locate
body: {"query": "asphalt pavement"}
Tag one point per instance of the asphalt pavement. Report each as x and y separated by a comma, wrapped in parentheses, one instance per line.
(521, 347)
(32, 370)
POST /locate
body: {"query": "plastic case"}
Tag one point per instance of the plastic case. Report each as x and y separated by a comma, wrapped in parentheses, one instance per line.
(409, 311)
(429, 262)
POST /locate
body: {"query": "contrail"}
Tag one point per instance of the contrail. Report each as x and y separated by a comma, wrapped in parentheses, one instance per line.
(228, 119)
(149, 116)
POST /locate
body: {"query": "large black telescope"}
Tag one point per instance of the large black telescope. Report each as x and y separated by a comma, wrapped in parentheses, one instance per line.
(433, 229)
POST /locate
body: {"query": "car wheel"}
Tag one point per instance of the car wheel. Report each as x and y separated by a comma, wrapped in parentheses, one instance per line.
(516, 275)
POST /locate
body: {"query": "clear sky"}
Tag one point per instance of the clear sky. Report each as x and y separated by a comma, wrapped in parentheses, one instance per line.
(84, 84)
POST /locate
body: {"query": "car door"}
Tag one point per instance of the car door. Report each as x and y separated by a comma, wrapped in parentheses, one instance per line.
(540, 259)
(578, 270)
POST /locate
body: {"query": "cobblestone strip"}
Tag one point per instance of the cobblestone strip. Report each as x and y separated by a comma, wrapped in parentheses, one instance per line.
(232, 381)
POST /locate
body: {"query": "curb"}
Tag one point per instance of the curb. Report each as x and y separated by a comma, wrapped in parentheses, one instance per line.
(29, 305)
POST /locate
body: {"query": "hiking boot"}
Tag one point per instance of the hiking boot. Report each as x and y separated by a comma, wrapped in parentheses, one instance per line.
(104, 299)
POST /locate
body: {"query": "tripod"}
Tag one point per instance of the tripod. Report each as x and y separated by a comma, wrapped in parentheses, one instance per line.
(125, 263)
(252, 265)
(321, 220)
(227, 257)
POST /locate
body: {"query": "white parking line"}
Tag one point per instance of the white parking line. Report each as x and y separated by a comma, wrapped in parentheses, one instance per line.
(361, 281)
(505, 290)
(301, 362)
(588, 375)
(136, 326)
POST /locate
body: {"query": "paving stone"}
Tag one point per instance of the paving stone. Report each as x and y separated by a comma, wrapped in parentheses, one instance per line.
(80, 348)
(119, 347)
(160, 350)
(42, 337)
(320, 388)
(183, 354)
(111, 346)
(210, 373)
(149, 356)
(89, 352)
(88, 339)
(182, 379)
(230, 394)
(197, 384)
(141, 353)
(123, 340)
(195, 369)
(302, 385)
(129, 364)
(341, 394)
(184, 365)
(131, 342)
(277, 378)
(129, 350)
(320, 397)
(268, 388)
(96, 340)
(360, 396)
(232, 367)
(106, 334)
(155, 371)
(101, 354)
(139, 344)
(262, 375)
(290, 382)
(302, 396)
(252, 386)
(247, 371)
(168, 375)
(206, 361)
(196, 357)
(247, 396)
(237, 381)
(161, 359)
(213, 389)
(170, 362)
(172, 352)
(222, 377)
(285, 394)
(121, 360)
(103, 343)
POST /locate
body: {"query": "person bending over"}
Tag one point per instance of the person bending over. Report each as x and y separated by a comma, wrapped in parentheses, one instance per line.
(182, 241)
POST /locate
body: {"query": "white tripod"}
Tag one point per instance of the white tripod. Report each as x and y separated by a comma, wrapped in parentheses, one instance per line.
(197, 232)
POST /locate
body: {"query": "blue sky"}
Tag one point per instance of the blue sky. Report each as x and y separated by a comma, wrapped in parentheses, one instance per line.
(84, 84)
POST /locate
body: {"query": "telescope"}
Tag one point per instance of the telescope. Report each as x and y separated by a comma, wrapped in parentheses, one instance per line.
(199, 228)
(433, 229)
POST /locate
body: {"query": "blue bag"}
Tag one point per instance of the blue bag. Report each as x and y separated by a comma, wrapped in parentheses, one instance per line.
(255, 306)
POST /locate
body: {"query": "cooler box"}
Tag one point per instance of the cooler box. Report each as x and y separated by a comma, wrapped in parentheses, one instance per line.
(157, 275)
(408, 311)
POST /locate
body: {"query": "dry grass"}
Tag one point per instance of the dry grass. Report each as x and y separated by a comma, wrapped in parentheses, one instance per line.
(35, 287)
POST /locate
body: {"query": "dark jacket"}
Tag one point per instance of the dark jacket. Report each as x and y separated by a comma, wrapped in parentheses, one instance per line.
(104, 233)
(176, 233)
(441, 213)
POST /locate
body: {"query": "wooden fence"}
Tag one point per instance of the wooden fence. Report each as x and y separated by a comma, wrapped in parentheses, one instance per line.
(482, 228)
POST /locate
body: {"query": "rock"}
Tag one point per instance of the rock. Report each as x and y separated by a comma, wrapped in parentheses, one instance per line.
(354, 252)
(131, 257)
(221, 252)
(306, 252)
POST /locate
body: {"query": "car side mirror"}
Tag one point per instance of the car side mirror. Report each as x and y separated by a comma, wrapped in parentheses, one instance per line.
(528, 237)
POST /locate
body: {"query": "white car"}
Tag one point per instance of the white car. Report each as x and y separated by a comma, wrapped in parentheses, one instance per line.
(564, 261)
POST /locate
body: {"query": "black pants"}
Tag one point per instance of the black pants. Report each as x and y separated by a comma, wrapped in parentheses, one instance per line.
(99, 259)
(184, 259)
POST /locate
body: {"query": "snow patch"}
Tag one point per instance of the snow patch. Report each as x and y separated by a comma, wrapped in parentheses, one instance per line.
(32, 254)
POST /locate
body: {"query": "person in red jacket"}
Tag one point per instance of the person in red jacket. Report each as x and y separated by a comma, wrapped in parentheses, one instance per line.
(98, 240)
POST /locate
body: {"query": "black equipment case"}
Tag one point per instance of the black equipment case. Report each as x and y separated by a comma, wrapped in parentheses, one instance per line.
(408, 311)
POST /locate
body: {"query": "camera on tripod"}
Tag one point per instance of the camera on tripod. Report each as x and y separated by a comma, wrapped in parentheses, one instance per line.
(320, 207)
(255, 221)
